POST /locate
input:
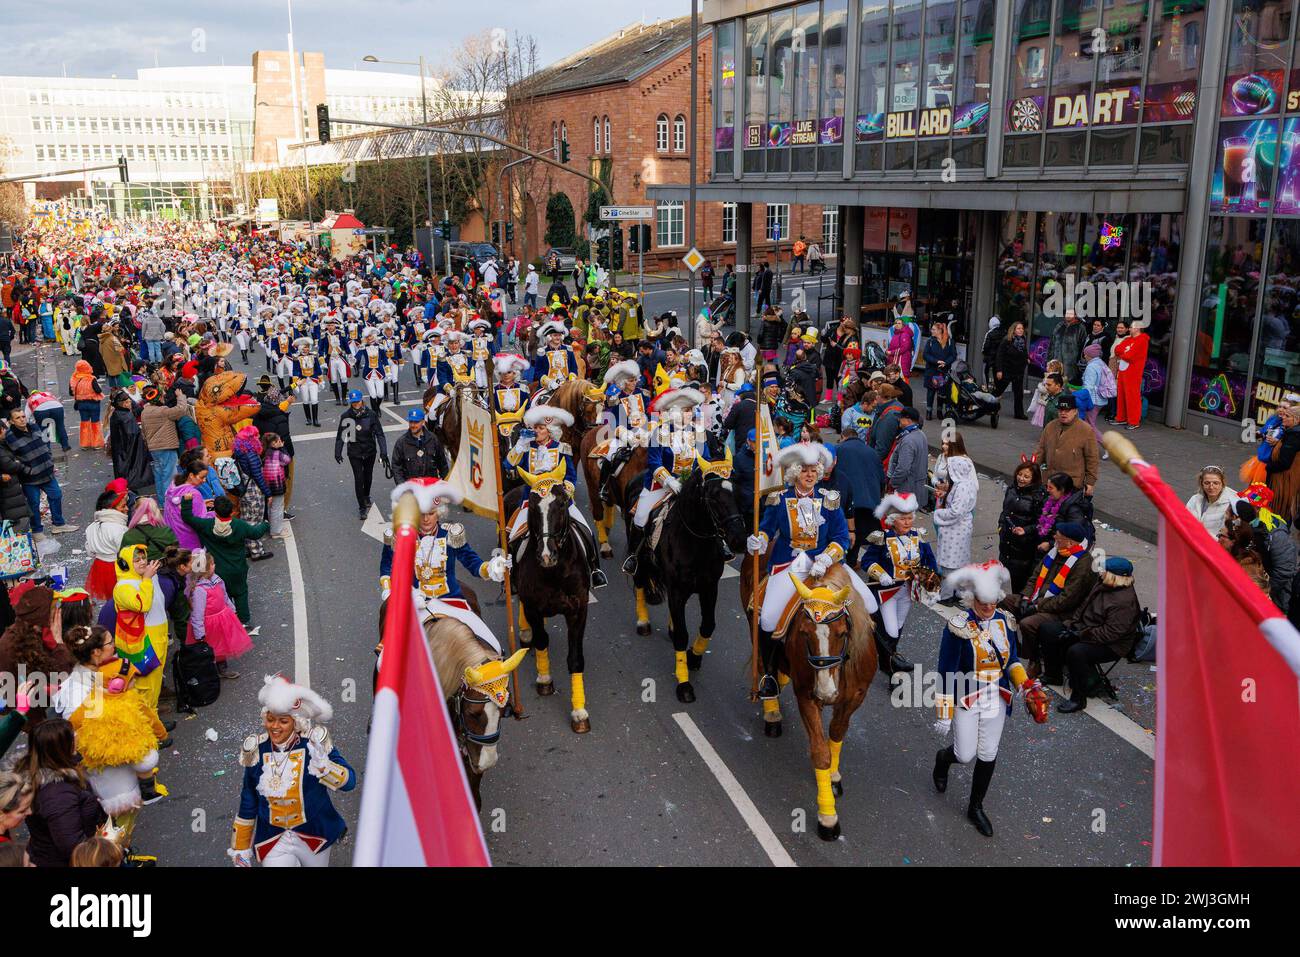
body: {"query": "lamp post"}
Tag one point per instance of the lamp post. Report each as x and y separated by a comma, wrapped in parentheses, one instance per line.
(428, 170)
(690, 203)
(300, 120)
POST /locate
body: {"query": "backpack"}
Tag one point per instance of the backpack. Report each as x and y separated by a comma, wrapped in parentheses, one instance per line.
(1106, 385)
(194, 672)
(1145, 648)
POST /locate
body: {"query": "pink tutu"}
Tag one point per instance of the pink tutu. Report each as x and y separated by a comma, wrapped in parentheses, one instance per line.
(223, 631)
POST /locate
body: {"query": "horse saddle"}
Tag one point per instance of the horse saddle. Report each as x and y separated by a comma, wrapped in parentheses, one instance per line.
(656, 522)
(787, 613)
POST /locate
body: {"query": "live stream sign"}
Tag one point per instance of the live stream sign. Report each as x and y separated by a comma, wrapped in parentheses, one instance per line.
(616, 214)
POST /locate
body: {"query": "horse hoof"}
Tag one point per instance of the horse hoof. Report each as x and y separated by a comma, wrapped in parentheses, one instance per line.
(525, 638)
(606, 551)
(581, 726)
(685, 693)
(546, 690)
(828, 833)
(643, 628)
(837, 788)
(693, 661)
(772, 729)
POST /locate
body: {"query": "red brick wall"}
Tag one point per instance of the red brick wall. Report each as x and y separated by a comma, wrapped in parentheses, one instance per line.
(633, 109)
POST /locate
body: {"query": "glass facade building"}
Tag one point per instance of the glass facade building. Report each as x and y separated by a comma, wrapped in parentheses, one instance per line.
(981, 153)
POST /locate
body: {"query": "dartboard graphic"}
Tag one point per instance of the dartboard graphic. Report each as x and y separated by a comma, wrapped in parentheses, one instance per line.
(1026, 115)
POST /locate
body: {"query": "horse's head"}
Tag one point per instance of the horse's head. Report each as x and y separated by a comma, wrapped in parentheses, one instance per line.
(826, 629)
(719, 496)
(548, 521)
(484, 696)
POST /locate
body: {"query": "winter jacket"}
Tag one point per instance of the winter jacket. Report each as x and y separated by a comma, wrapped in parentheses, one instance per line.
(1108, 616)
(909, 466)
(64, 813)
(112, 354)
(13, 503)
(771, 334)
(1012, 357)
(274, 417)
(884, 429)
(104, 534)
(158, 423)
(992, 340)
(1077, 587)
(185, 536)
(859, 476)
(935, 354)
(131, 458)
(1071, 449)
(1066, 344)
(33, 454)
(955, 520)
(1021, 508)
(1212, 514)
(155, 538)
(1279, 552)
(364, 435)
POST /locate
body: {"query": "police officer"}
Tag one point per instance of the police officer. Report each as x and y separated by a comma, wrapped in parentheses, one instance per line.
(418, 453)
(360, 431)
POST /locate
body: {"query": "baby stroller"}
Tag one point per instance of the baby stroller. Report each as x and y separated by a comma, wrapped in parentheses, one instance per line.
(722, 308)
(874, 358)
(965, 400)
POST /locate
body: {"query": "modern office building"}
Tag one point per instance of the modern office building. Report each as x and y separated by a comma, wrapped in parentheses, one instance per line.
(982, 151)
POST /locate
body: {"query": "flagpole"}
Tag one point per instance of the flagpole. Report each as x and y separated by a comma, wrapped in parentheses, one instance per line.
(753, 591)
(501, 537)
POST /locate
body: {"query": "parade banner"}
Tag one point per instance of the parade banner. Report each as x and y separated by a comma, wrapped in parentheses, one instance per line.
(1228, 701)
(416, 806)
(474, 473)
(767, 477)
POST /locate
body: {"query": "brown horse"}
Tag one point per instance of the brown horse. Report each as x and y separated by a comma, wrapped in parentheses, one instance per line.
(471, 675)
(829, 658)
(572, 396)
(448, 427)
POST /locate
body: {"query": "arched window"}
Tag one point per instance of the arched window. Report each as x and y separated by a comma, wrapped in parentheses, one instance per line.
(661, 133)
(555, 138)
(595, 134)
(679, 134)
(564, 131)
(608, 145)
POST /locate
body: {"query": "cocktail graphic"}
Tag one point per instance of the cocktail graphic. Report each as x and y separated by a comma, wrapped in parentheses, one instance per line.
(1236, 149)
(1265, 166)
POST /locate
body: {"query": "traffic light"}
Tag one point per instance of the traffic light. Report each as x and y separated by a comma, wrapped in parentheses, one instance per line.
(602, 251)
(638, 240)
(323, 122)
(443, 229)
(617, 248)
(564, 151)
(496, 234)
(122, 172)
(510, 232)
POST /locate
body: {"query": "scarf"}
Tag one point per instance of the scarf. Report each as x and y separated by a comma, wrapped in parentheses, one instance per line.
(1058, 580)
(1047, 519)
(221, 528)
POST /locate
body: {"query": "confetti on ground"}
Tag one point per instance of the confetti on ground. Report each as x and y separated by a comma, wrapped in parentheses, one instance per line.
(217, 774)
(210, 734)
(1047, 820)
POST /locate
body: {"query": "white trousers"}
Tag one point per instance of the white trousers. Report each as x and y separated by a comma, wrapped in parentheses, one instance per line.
(338, 370)
(284, 368)
(894, 612)
(375, 386)
(646, 501)
(392, 372)
(241, 340)
(521, 520)
(780, 589)
(977, 730)
(290, 851)
(308, 392)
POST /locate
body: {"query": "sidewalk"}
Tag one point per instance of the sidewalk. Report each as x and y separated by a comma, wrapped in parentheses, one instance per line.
(1179, 454)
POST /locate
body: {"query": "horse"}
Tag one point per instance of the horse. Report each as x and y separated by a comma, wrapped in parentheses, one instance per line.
(828, 656)
(688, 559)
(572, 396)
(447, 428)
(551, 577)
(476, 692)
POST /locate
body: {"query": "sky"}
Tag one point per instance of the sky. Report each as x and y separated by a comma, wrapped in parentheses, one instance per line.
(102, 39)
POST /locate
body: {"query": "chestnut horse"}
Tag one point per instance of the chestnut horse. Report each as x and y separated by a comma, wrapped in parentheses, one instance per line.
(829, 658)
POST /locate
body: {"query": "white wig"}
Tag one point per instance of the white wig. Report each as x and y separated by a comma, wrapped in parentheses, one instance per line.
(539, 413)
(793, 458)
(553, 326)
(279, 695)
(504, 362)
(989, 582)
(622, 370)
(430, 493)
(896, 503)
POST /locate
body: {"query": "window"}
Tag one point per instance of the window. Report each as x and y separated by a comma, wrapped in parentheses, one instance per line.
(778, 222)
(608, 144)
(906, 68)
(679, 134)
(555, 140)
(939, 73)
(728, 223)
(1229, 290)
(830, 229)
(595, 134)
(670, 223)
(661, 133)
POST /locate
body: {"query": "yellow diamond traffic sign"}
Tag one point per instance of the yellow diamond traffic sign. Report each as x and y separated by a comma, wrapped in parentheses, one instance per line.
(693, 259)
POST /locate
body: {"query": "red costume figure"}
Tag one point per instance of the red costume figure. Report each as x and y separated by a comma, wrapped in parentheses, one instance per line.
(1132, 355)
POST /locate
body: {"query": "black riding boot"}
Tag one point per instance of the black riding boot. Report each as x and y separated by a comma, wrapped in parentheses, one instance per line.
(635, 536)
(374, 405)
(768, 686)
(606, 473)
(315, 414)
(243, 353)
(598, 579)
(979, 787)
(942, 762)
(306, 410)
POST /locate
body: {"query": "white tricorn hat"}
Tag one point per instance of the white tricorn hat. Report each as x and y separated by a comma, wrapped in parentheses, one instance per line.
(553, 326)
(683, 398)
(897, 503)
(541, 413)
(504, 362)
(431, 493)
(279, 695)
(622, 370)
(480, 324)
(989, 582)
(805, 453)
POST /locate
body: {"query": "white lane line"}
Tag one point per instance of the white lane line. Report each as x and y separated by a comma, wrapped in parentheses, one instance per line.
(1115, 720)
(317, 436)
(301, 643)
(767, 839)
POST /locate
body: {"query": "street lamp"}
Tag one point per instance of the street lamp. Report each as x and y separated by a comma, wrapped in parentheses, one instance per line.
(428, 170)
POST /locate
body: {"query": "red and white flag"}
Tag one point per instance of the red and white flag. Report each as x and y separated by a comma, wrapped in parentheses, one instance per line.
(416, 807)
(1228, 704)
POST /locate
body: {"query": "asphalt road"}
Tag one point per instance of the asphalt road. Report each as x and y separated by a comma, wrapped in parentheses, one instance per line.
(655, 782)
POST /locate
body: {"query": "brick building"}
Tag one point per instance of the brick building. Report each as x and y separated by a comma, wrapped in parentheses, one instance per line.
(623, 105)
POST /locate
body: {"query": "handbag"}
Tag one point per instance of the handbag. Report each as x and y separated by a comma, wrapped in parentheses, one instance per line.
(18, 555)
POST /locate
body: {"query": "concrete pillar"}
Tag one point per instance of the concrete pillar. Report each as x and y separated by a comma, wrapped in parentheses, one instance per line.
(744, 256)
(982, 295)
(854, 223)
(1196, 226)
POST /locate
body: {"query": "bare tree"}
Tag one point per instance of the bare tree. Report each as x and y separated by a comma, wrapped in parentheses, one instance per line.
(13, 202)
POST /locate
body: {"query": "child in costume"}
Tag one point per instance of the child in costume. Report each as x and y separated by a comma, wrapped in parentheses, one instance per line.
(141, 632)
(212, 614)
(104, 538)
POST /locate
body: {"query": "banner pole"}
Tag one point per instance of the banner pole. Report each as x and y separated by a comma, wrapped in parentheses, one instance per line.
(755, 605)
(501, 537)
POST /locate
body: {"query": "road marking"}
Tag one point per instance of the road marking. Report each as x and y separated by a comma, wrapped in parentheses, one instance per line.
(729, 572)
(767, 839)
(301, 643)
(1115, 720)
(317, 436)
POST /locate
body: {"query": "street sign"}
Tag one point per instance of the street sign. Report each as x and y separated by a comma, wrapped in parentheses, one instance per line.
(693, 259)
(614, 214)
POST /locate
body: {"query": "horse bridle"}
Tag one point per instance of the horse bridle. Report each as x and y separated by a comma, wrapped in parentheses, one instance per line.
(483, 740)
(716, 534)
(557, 540)
(826, 662)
